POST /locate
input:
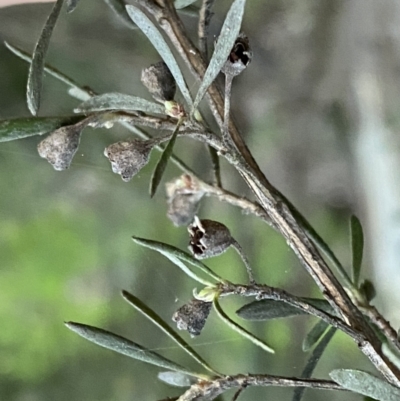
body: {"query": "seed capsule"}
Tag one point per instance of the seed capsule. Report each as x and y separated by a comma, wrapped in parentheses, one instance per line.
(208, 238)
(239, 57)
(192, 316)
(60, 146)
(128, 157)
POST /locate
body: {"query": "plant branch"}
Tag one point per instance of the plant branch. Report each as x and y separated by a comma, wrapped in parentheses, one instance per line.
(263, 291)
(209, 390)
(268, 196)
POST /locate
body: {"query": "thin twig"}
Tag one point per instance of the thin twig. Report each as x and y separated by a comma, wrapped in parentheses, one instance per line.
(243, 256)
(227, 107)
(205, 15)
(210, 390)
(263, 291)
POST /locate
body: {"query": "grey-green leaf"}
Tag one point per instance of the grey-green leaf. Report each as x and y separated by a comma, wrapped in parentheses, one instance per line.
(162, 163)
(36, 69)
(159, 43)
(176, 253)
(126, 347)
(357, 247)
(366, 384)
(71, 5)
(19, 128)
(270, 309)
(183, 3)
(313, 361)
(165, 250)
(160, 323)
(118, 6)
(229, 32)
(239, 329)
(119, 101)
(314, 335)
(176, 379)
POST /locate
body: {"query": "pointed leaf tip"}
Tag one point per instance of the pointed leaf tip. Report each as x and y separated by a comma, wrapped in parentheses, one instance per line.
(239, 329)
(229, 32)
(313, 361)
(36, 69)
(314, 335)
(126, 347)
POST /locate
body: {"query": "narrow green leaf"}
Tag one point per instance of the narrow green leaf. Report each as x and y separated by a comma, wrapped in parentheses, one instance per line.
(163, 161)
(119, 101)
(176, 379)
(270, 309)
(314, 335)
(365, 384)
(313, 361)
(19, 128)
(126, 347)
(161, 324)
(78, 91)
(229, 32)
(183, 3)
(357, 247)
(36, 69)
(166, 249)
(243, 332)
(157, 40)
(71, 5)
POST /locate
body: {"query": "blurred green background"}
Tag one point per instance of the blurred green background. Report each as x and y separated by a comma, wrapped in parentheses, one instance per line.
(65, 247)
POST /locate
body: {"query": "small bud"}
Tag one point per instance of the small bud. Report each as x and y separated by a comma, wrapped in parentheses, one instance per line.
(128, 157)
(159, 81)
(60, 146)
(183, 197)
(208, 238)
(239, 57)
(192, 316)
(174, 109)
(207, 294)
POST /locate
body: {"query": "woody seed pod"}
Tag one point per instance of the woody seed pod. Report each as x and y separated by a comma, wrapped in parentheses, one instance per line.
(60, 146)
(192, 316)
(128, 157)
(239, 57)
(159, 81)
(208, 238)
